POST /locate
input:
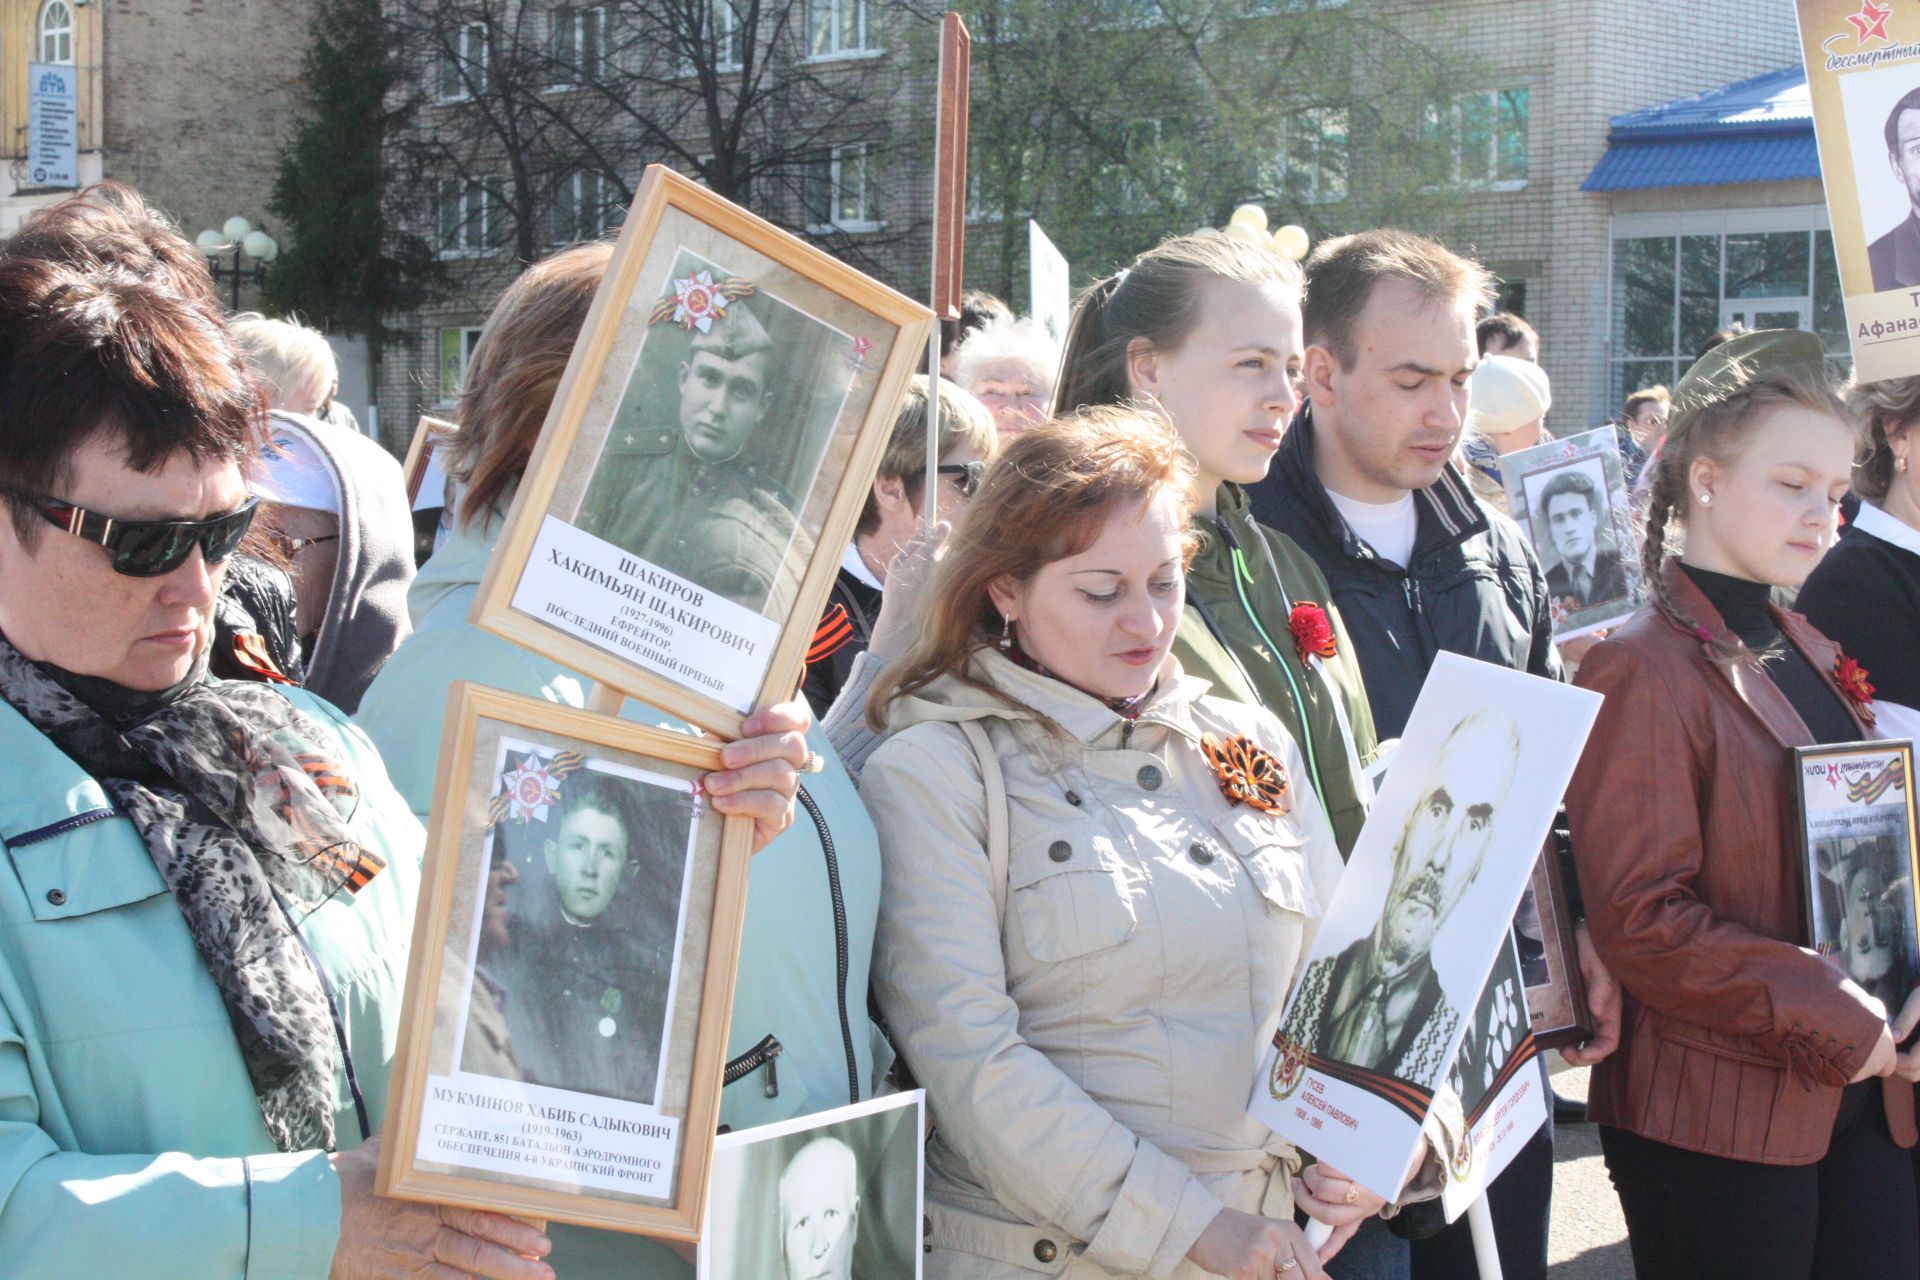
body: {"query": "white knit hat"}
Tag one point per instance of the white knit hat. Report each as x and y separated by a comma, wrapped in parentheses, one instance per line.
(1505, 394)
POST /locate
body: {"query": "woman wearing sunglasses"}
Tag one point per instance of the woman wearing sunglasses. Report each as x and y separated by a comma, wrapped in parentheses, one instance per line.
(209, 885)
(889, 520)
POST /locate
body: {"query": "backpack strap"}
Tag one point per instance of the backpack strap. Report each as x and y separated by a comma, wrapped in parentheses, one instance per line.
(996, 785)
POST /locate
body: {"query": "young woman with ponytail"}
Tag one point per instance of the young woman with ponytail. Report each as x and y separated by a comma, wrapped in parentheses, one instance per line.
(1209, 327)
(1753, 1116)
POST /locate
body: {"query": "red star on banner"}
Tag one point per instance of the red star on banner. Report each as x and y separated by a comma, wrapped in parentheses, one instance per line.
(1871, 22)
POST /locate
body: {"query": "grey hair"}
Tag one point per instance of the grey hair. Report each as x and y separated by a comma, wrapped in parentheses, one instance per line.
(998, 340)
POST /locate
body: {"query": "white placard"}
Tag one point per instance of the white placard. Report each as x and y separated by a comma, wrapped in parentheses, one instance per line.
(577, 1139)
(592, 589)
(1375, 1023)
(53, 124)
(1497, 1077)
(1050, 297)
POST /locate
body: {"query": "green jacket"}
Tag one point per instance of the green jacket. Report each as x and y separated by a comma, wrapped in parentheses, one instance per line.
(1225, 636)
(131, 1142)
(787, 986)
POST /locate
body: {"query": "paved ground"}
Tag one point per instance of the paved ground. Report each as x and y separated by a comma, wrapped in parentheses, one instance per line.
(1589, 1240)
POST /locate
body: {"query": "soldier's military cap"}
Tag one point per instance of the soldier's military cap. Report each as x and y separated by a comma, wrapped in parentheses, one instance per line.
(735, 335)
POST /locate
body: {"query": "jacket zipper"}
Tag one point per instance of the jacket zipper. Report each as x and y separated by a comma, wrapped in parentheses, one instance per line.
(762, 1054)
(70, 823)
(1302, 712)
(842, 948)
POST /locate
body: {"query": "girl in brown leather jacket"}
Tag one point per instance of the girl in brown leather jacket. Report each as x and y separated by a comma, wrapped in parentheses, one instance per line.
(1753, 1117)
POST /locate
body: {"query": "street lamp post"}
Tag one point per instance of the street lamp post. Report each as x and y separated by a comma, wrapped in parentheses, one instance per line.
(239, 238)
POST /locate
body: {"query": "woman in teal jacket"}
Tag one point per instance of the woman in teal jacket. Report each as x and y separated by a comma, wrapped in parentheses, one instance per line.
(209, 885)
(800, 1040)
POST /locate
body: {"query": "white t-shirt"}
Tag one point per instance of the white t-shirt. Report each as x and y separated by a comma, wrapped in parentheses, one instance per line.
(1386, 527)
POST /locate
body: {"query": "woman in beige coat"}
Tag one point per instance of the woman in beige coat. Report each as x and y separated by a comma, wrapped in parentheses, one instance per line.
(1085, 937)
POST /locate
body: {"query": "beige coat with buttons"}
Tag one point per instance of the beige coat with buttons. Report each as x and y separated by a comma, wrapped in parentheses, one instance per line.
(1088, 1059)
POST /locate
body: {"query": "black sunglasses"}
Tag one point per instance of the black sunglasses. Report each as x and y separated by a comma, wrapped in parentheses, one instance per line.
(149, 548)
(969, 473)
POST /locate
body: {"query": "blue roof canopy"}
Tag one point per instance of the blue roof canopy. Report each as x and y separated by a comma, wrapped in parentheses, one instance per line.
(1755, 130)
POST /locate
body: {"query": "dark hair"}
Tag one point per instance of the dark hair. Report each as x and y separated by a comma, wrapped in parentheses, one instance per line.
(590, 789)
(1506, 326)
(976, 308)
(109, 224)
(1569, 482)
(1644, 396)
(1714, 339)
(1885, 410)
(100, 335)
(516, 368)
(1156, 298)
(1909, 101)
(1342, 273)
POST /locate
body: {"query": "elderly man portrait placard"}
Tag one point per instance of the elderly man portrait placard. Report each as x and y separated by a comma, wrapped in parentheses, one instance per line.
(1374, 1026)
(1570, 496)
(832, 1196)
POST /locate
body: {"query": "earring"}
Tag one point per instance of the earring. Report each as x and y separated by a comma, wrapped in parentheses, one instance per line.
(1006, 634)
(1900, 465)
(1706, 499)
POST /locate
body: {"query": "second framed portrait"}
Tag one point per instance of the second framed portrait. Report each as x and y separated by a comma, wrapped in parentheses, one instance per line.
(1570, 496)
(572, 971)
(705, 460)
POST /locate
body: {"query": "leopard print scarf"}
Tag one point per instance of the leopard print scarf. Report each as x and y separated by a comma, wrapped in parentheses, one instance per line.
(243, 810)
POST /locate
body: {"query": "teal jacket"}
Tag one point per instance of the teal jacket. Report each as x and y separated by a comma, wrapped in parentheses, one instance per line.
(788, 985)
(130, 1139)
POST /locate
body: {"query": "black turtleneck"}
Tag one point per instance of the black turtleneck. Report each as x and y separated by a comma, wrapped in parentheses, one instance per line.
(1742, 605)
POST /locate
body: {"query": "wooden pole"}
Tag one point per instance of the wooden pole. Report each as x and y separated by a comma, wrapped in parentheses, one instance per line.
(948, 236)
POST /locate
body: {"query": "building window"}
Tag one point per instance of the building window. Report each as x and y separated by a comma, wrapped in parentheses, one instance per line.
(836, 28)
(579, 49)
(456, 354)
(1311, 163)
(56, 31)
(585, 206)
(463, 66)
(470, 216)
(1479, 140)
(839, 191)
(1675, 285)
(723, 41)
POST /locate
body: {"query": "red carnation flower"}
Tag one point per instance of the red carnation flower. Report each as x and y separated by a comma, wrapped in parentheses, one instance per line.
(1852, 679)
(1312, 632)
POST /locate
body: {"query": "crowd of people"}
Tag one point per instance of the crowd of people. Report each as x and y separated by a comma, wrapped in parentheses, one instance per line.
(1249, 500)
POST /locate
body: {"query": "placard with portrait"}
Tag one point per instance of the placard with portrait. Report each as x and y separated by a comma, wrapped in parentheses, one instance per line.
(707, 455)
(1856, 807)
(1387, 995)
(572, 968)
(1570, 498)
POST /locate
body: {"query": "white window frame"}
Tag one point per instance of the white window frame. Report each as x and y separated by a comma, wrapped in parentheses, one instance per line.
(1453, 180)
(49, 38)
(862, 47)
(729, 50)
(1312, 190)
(453, 84)
(582, 192)
(468, 340)
(837, 159)
(586, 61)
(470, 243)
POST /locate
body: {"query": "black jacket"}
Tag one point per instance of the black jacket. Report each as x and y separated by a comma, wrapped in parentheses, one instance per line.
(1474, 587)
(841, 636)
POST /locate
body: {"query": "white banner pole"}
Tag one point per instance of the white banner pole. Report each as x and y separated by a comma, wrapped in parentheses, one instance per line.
(1486, 1250)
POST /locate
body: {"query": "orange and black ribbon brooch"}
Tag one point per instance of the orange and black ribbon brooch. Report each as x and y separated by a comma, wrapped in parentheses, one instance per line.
(1249, 774)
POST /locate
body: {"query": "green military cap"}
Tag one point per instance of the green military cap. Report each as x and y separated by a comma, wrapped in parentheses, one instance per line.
(1740, 362)
(735, 335)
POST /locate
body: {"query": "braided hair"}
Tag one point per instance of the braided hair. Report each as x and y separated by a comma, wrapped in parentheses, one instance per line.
(1715, 425)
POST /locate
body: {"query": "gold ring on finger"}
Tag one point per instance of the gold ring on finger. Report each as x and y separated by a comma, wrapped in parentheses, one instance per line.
(1287, 1266)
(1353, 1194)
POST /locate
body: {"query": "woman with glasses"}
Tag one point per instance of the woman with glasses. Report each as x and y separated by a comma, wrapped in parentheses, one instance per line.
(209, 885)
(889, 520)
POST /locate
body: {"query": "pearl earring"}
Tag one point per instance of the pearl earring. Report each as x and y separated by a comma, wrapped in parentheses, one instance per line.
(1706, 499)
(1006, 633)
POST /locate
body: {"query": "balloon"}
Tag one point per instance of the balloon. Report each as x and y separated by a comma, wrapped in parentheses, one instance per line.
(1291, 241)
(1243, 231)
(1250, 215)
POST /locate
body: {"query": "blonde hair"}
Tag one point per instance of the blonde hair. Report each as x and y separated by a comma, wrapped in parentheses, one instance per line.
(1046, 497)
(963, 421)
(294, 363)
(516, 368)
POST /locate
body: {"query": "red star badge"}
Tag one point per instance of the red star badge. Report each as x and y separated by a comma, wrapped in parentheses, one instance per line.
(1871, 22)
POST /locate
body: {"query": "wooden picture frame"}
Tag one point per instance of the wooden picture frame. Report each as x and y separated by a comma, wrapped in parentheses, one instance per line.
(1556, 990)
(708, 453)
(1860, 861)
(429, 434)
(563, 1032)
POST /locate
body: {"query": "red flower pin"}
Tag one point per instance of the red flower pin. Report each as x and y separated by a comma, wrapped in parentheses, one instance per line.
(1249, 774)
(1852, 679)
(1312, 632)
